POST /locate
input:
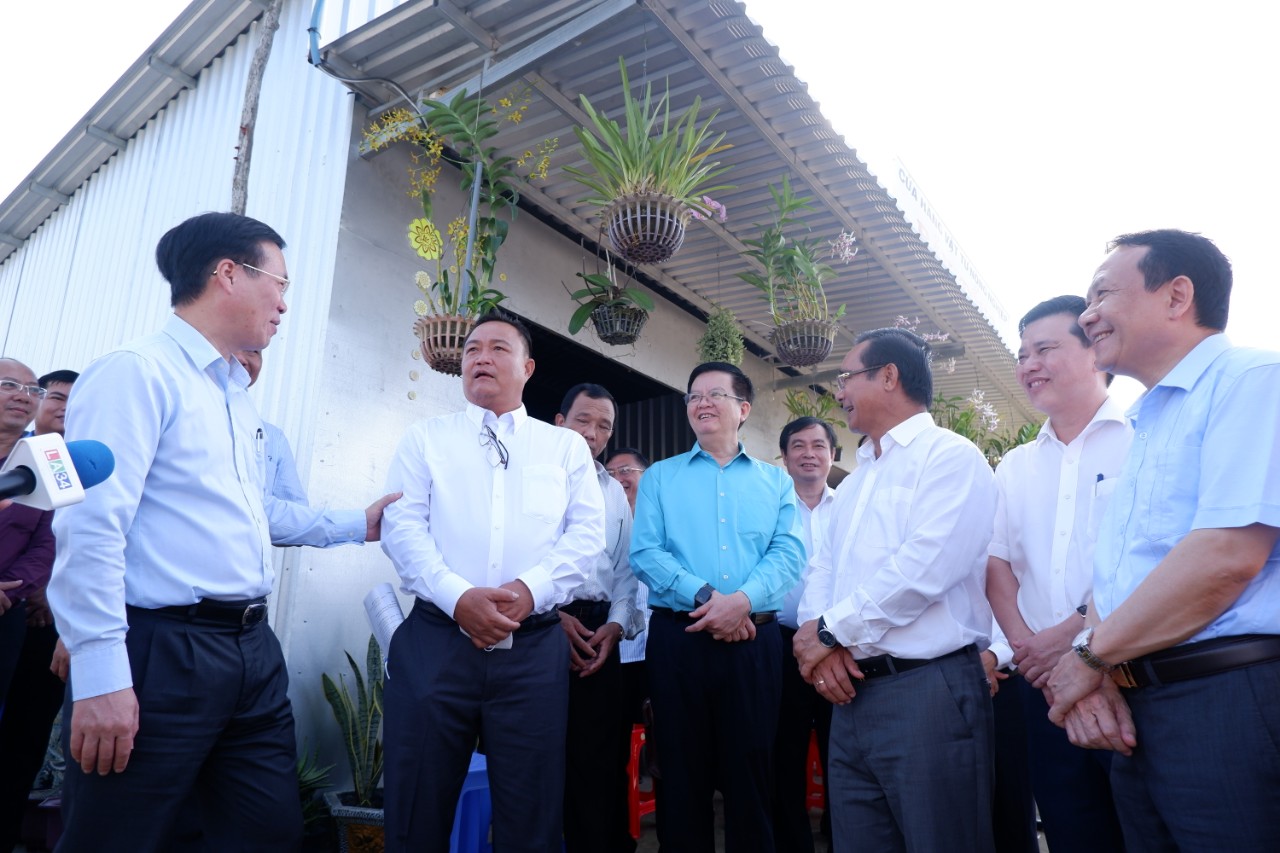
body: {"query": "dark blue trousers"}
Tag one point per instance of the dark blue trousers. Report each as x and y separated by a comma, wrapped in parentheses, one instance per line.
(911, 762)
(214, 722)
(1014, 808)
(1205, 776)
(35, 695)
(441, 694)
(715, 714)
(802, 712)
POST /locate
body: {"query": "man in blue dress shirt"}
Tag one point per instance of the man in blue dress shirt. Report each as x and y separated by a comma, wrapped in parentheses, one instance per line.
(178, 686)
(717, 541)
(1186, 589)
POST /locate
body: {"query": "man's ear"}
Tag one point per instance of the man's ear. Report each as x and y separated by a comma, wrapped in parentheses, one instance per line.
(1182, 297)
(891, 376)
(559, 419)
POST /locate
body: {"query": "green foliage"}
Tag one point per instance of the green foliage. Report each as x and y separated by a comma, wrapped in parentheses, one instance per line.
(643, 155)
(803, 402)
(360, 720)
(312, 778)
(603, 289)
(975, 420)
(722, 341)
(792, 276)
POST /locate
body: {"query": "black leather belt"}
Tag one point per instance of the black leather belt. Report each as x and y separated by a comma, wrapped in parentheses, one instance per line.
(1196, 660)
(762, 618)
(587, 610)
(242, 614)
(879, 666)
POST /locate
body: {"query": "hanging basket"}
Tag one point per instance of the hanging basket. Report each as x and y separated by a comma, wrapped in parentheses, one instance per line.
(442, 337)
(618, 324)
(646, 229)
(804, 342)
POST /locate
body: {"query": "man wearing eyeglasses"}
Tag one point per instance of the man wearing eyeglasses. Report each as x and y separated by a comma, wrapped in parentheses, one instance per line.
(717, 541)
(502, 518)
(177, 686)
(894, 612)
(600, 613)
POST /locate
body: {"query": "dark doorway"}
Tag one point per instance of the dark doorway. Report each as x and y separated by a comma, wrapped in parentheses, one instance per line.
(651, 414)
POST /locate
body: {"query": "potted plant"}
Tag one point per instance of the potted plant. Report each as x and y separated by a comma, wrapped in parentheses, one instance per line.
(650, 173)
(358, 812)
(459, 132)
(617, 312)
(790, 275)
(722, 340)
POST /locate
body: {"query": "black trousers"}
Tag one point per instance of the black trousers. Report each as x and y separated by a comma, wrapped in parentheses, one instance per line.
(802, 711)
(35, 695)
(214, 721)
(1013, 807)
(596, 753)
(441, 694)
(715, 715)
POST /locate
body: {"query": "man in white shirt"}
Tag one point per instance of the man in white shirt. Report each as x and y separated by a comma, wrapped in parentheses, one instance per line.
(502, 518)
(808, 448)
(599, 614)
(894, 601)
(1052, 493)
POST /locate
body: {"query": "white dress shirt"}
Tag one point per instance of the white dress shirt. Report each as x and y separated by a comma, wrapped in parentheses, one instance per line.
(180, 519)
(902, 568)
(467, 521)
(815, 522)
(1050, 499)
(611, 578)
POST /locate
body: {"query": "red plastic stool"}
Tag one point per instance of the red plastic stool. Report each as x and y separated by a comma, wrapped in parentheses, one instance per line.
(638, 802)
(815, 791)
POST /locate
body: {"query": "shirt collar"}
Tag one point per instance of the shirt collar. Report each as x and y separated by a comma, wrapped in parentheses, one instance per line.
(901, 434)
(698, 451)
(1110, 410)
(1187, 372)
(480, 417)
(202, 353)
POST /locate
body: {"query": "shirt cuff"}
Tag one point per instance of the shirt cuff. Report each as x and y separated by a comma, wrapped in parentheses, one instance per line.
(541, 587)
(687, 587)
(1004, 654)
(449, 589)
(836, 618)
(352, 524)
(99, 671)
(999, 550)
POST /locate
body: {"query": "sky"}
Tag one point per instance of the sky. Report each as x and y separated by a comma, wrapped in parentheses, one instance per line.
(1038, 131)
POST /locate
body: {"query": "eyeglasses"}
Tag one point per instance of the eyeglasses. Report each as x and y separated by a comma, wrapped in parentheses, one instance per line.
(716, 396)
(284, 282)
(844, 378)
(488, 438)
(625, 469)
(9, 386)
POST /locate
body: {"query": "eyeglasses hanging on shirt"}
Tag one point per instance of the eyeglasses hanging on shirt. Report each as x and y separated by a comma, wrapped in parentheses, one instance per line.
(489, 439)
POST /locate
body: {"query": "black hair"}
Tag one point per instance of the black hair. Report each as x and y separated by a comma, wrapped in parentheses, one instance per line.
(593, 391)
(187, 253)
(1171, 253)
(629, 451)
(497, 315)
(66, 377)
(742, 386)
(909, 353)
(802, 424)
(1073, 305)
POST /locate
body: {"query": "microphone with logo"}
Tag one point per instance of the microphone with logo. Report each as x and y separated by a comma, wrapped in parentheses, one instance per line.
(45, 472)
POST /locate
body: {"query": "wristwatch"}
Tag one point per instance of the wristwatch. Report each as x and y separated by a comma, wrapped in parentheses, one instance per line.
(825, 636)
(703, 595)
(1082, 650)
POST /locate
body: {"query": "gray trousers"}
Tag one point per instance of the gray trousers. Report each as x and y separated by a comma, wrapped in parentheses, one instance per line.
(911, 761)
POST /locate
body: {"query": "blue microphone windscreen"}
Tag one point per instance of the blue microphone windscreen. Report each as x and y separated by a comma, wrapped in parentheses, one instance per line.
(93, 461)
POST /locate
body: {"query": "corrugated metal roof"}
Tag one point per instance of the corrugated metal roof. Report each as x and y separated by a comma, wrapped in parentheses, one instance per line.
(713, 50)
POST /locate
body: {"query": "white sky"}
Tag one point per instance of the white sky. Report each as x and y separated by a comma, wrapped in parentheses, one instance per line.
(1037, 130)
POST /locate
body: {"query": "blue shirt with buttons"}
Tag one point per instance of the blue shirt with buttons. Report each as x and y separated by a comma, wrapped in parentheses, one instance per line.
(735, 527)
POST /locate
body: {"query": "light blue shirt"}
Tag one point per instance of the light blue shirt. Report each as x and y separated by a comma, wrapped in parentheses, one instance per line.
(735, 528)
(180, 519)
(291, 518)
(1205, 455)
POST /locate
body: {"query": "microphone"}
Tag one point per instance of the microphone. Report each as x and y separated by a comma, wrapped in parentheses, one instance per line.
(46, 473)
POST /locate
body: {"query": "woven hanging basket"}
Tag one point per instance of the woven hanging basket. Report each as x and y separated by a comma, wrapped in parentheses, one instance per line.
(618, 324)
(804, 342)
(646, 229)
(442, 337)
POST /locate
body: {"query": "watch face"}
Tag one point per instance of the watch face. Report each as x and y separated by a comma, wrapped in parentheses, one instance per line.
(1083, 637)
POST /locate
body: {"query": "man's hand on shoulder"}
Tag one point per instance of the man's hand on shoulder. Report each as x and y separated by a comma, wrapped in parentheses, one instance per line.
(373, 516)
(723, 617)
(477, 613)
(102, 731)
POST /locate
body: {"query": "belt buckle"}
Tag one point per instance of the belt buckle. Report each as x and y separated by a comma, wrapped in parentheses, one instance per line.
(253, 614)
(1122, 675)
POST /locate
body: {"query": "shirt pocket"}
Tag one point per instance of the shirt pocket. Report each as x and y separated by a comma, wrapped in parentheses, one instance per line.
(544, 493)
(1101, 499)
(1174, 487)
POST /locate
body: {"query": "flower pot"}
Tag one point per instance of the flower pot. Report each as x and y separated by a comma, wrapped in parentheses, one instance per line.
(646, 229)
(360, 828)
(442, 338)
(618, 324)
(804, 342)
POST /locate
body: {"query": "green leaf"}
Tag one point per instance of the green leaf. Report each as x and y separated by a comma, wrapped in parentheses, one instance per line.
(579, 318)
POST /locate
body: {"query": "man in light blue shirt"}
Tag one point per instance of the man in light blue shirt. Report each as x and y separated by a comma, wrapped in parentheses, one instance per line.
(1186, 592)
(178, 687)
(717, 541)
